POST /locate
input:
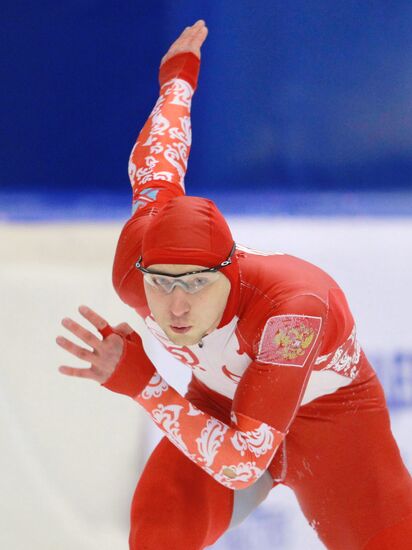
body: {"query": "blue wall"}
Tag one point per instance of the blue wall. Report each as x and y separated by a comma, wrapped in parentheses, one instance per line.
(298, 95)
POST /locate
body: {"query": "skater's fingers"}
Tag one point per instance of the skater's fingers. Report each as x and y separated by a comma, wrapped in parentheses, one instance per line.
(93, 317)
(190, 40)
(82, 333)
(199, 38)
(74, 349)
(196, 38)
(182, 37)
(190, 31)
(79, 373)
(191, 36)
(194, 29)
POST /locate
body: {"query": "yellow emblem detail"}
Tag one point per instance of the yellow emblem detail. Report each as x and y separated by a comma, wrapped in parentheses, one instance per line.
(293, 342)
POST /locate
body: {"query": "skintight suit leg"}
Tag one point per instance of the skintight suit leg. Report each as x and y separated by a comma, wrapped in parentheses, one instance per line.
(177, 505)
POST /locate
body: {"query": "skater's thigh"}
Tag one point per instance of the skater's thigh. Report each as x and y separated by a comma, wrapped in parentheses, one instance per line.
(345, 468)
(178, 489)
(173, 490)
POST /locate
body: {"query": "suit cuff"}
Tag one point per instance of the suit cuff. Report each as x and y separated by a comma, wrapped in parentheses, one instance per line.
(183, 65)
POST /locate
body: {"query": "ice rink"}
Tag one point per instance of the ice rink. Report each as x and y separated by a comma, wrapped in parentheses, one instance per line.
(72, 451)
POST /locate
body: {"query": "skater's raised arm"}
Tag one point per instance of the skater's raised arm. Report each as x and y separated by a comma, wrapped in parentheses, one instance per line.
(158, 160)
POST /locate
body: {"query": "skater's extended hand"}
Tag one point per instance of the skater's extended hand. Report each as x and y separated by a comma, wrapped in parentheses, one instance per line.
(104, 355)
(190, 40)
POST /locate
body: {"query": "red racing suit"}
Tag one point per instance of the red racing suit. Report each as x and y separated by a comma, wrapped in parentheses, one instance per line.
(281, 386)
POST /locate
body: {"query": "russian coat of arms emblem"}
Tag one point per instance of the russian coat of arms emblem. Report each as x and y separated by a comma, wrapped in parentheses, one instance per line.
(288, 339)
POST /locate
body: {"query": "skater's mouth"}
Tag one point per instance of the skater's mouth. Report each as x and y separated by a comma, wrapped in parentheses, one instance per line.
(180, 330)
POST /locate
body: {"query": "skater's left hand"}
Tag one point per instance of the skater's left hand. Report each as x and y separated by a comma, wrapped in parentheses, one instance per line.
(105, 353)
(190, 40)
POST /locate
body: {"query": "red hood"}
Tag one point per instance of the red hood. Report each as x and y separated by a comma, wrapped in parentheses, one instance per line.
(191, 230)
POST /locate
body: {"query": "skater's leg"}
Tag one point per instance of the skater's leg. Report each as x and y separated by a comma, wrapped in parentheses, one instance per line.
(177, 504)
(346, 471)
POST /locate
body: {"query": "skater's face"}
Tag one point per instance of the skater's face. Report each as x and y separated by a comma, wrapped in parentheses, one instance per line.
(186, 317)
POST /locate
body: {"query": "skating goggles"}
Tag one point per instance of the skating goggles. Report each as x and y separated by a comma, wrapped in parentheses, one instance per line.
(191, 281)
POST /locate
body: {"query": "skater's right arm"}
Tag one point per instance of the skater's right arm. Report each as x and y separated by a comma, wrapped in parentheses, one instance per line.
(234, 455)
(158, 160)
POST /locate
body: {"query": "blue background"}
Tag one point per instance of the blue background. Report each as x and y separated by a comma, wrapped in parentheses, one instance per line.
(298, 96)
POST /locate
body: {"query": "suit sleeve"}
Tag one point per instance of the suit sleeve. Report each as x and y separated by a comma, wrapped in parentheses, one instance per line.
(235, 455)
(157, 167)
(267, 399)
(272, 388)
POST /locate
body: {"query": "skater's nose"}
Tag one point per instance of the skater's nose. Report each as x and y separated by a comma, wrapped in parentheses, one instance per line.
(179, 303)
